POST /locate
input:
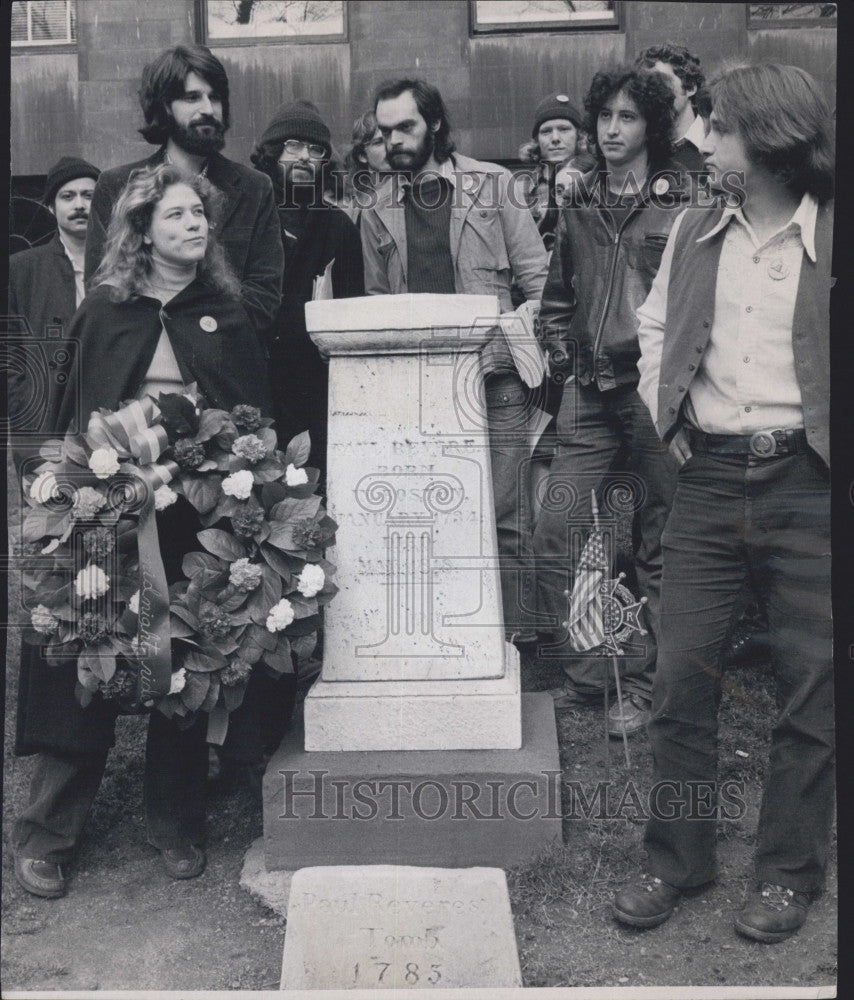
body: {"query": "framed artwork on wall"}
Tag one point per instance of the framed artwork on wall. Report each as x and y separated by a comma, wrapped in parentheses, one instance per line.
(491, 16)
(245, 22)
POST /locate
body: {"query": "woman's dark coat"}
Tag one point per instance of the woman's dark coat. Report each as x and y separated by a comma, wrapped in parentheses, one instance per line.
(115, 342)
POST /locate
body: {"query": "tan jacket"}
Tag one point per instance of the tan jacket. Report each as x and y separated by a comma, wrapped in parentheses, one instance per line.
(493, 237)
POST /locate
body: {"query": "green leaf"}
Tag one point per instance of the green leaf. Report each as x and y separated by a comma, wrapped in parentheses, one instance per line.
(232, 697)
(272, 493)
(199, 661)
(221, 544)
(298, 450)
(97, 661)
(267, 436)
(282, 663)
(326, 595)
(264, 637)
(212, 695)
(74, 449)
(186, 615)
(303, 606)
(83, 696)
(211, 423)
(268, 471)
(179, 629)
(282, 564)
(195, 562)
(250, 649)
(203, 492)
(40, 521)
(195, 690)
(265, 596)
(304, 645)
(295, 509)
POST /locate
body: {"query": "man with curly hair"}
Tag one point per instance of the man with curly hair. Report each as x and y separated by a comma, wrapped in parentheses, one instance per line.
(612, 230)
(686, 80)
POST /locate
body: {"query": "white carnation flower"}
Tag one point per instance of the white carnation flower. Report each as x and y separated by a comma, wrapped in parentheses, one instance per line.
(311, 580)
(133, 603)
(43, 619)
(91, 582)
(295, 476)
(281, 615)
(44, 487)
(179, 679)
(104, 462)
(164, 496)
(238, 484)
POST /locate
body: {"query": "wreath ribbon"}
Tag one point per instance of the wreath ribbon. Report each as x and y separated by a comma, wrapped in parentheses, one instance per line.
(133, 433)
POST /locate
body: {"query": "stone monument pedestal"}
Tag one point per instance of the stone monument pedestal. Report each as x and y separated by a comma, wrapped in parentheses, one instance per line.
(448, 808)
(416, 747)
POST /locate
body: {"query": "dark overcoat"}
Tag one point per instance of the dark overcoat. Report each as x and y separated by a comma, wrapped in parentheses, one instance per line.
(116, 342)
(248, 228)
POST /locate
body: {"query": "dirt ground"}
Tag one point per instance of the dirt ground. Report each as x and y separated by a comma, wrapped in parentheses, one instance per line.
(125, 925)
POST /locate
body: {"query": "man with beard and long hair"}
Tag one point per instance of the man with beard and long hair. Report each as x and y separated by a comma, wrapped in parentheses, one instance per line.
(293, 151)
(445, 223)
(184, 98)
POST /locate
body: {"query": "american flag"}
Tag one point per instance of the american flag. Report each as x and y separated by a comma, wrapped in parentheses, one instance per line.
(585, 622)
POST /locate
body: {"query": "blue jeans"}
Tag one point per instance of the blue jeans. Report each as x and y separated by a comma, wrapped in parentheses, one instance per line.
(507, 402)
(64, 786)
(606, 442)
(736, 518)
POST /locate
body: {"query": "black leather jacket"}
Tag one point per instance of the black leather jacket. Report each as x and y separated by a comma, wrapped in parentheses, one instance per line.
(599, 275)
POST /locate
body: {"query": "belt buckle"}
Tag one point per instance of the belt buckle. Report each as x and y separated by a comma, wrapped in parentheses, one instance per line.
(763, 444)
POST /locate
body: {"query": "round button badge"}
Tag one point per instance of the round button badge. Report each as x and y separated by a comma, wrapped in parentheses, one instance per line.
(660, 186)
(208, 324)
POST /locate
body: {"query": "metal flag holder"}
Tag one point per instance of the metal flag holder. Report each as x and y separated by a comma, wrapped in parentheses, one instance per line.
(620, 617)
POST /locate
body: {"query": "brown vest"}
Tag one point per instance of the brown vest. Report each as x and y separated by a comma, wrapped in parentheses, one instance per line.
(691, 311)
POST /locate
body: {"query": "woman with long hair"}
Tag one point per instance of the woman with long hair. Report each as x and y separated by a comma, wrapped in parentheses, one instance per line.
(366, 163)
(164, 311)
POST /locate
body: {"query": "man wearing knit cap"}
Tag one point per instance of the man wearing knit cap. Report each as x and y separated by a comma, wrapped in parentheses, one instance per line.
(556, 140)
(185, 102)
(46, 282)
(294, 151)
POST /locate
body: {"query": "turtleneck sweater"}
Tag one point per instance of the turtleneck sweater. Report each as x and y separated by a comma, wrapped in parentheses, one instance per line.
(166, 280)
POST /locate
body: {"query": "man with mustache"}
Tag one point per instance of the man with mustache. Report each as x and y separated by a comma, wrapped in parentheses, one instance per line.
(185, 101)
(46, 282)
(294, 151)
(445, 223)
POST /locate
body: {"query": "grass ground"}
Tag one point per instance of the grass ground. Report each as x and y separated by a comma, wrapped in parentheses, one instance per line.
(126, 925)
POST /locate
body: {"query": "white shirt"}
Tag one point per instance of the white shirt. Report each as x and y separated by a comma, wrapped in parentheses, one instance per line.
(696, 133)
(746, 380)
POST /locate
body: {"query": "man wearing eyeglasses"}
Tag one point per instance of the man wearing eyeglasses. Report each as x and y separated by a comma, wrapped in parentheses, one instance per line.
(294, 151)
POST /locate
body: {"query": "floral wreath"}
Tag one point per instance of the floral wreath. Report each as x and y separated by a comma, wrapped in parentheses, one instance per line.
(250, 600)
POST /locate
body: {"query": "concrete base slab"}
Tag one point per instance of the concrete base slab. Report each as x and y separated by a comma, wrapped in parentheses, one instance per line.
(449, 808)
(270, 889)
(473, 714)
